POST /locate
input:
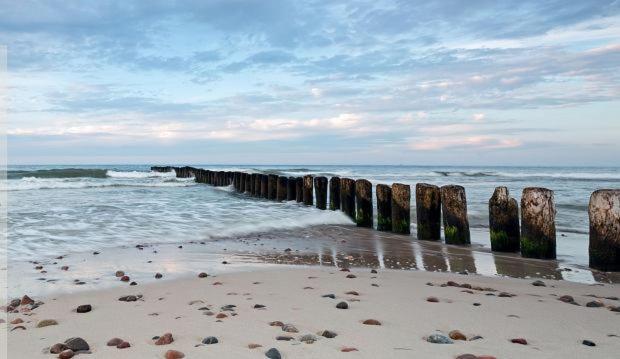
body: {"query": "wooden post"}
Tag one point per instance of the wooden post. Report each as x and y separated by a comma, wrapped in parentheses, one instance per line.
(363, 201)
(384, 207)
(308, 191)
(604, 212)
(334, 193)
(291, 189)
(454, 208)
(299, 189)
(256, 184)
(241, 183)
(347, 197)
(248, 183)
(503, 221)
(538, 223)
(320, 189)
(401, 208)
(272, 187)
(281, 189)
(264, 186)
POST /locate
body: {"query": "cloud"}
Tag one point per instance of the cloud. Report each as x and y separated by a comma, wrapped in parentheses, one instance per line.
(467, 142)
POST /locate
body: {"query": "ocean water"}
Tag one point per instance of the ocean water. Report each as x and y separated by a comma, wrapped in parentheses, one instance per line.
(63, 209)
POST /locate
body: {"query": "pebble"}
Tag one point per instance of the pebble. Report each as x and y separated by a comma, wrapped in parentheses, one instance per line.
(276, 323)
(351, 276)
(342, 305)
(432, 300)
(284, 337)
(114, 342)
(221, 316)
(328, 334)
(84, 308)
(332, 296)
(595, 304)
(158, 275)
(519, 341)
(254, 346)
(77, 344)
(289, 328)
(119, 273)
(128, 298)
(26, 300)
(17, 321)
(123, 345)
(588, 343)
(164, 339)
(308, 338)
(371, 322)
(457, 335)
(439, 339)
(125, 278)
(58, 348)
(46, 323)
(538, 283)
(466, 356)
(373, 271)
(259, 306)
(273, 353)
(174, 354)
(348, 349)
(210, 340)
(203, 275)
(567, 299)
(66, 354)
(352, 292)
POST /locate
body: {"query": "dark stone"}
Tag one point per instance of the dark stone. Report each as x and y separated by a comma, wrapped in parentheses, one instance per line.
(284, 337)
(308, 190)
(328, 334)
(439, 339)
(259, 306)
(519, 341)
(588, 343)
(363, 203)
(342, 305)
(77, 344)
(504, 221)
(272, 187)
(332, 296)
(128, 298)
(604, 213)
(401, 208)
(454, 208)
(334, 193)
(58, 348)
(85, 308)
(281, 189)
(428, 211)
(291, 192)
(384, 207)
(210, 340)
(538, 223)
(273, 353)
(320, 189)
(347, 197)
(158, 275)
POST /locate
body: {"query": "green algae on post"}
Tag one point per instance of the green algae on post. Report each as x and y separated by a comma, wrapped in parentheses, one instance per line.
(454, 208)
(538, 223)
(384, 207)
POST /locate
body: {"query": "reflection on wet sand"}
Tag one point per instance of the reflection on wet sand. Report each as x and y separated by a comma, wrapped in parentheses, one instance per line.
(349, 246)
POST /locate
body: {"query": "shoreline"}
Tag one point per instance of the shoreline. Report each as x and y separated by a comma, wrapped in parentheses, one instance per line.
(398, 299)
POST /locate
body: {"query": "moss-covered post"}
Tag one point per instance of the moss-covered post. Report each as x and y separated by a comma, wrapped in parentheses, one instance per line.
(291, 193)
(604, 212)
(503, 221)
(281, 190)
(538, 223)
(347, 197)
(363, 203)
(320, 189)
(454, 208)
(428, 211)
(384, 207)
(334, 193)
(401, 208)
(272, 187)
(264, 186)
(308, 190)
(299, 189)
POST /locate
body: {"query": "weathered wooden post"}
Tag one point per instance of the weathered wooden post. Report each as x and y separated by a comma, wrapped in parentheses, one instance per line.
(320, 189)
(251, 183)
(241, 182)
(291, 193)
(308, 191)
(299, 189)
(363, 201)
(454, 208)
(401, 208)
(538, 223)
(604, 212)
(347, 197)
(428, 211)
(248, 182)
(264, 186)
(272, 187)
(257, 185)
(281, 190)
(384, 207)
(503, 221)
(334, 193)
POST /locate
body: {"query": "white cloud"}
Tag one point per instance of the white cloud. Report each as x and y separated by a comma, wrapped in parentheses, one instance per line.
(478, 117)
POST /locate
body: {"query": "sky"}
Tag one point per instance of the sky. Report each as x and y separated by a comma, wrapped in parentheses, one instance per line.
(312, 82)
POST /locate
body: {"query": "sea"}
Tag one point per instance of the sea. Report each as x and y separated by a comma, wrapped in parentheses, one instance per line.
(64, 209)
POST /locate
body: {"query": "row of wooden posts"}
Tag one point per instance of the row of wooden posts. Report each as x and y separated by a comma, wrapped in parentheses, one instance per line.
(535, 237)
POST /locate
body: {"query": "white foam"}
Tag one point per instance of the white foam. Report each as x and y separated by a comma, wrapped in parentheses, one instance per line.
(139, 174)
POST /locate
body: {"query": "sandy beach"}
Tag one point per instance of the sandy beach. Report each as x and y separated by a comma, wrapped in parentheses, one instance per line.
(410, 306)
